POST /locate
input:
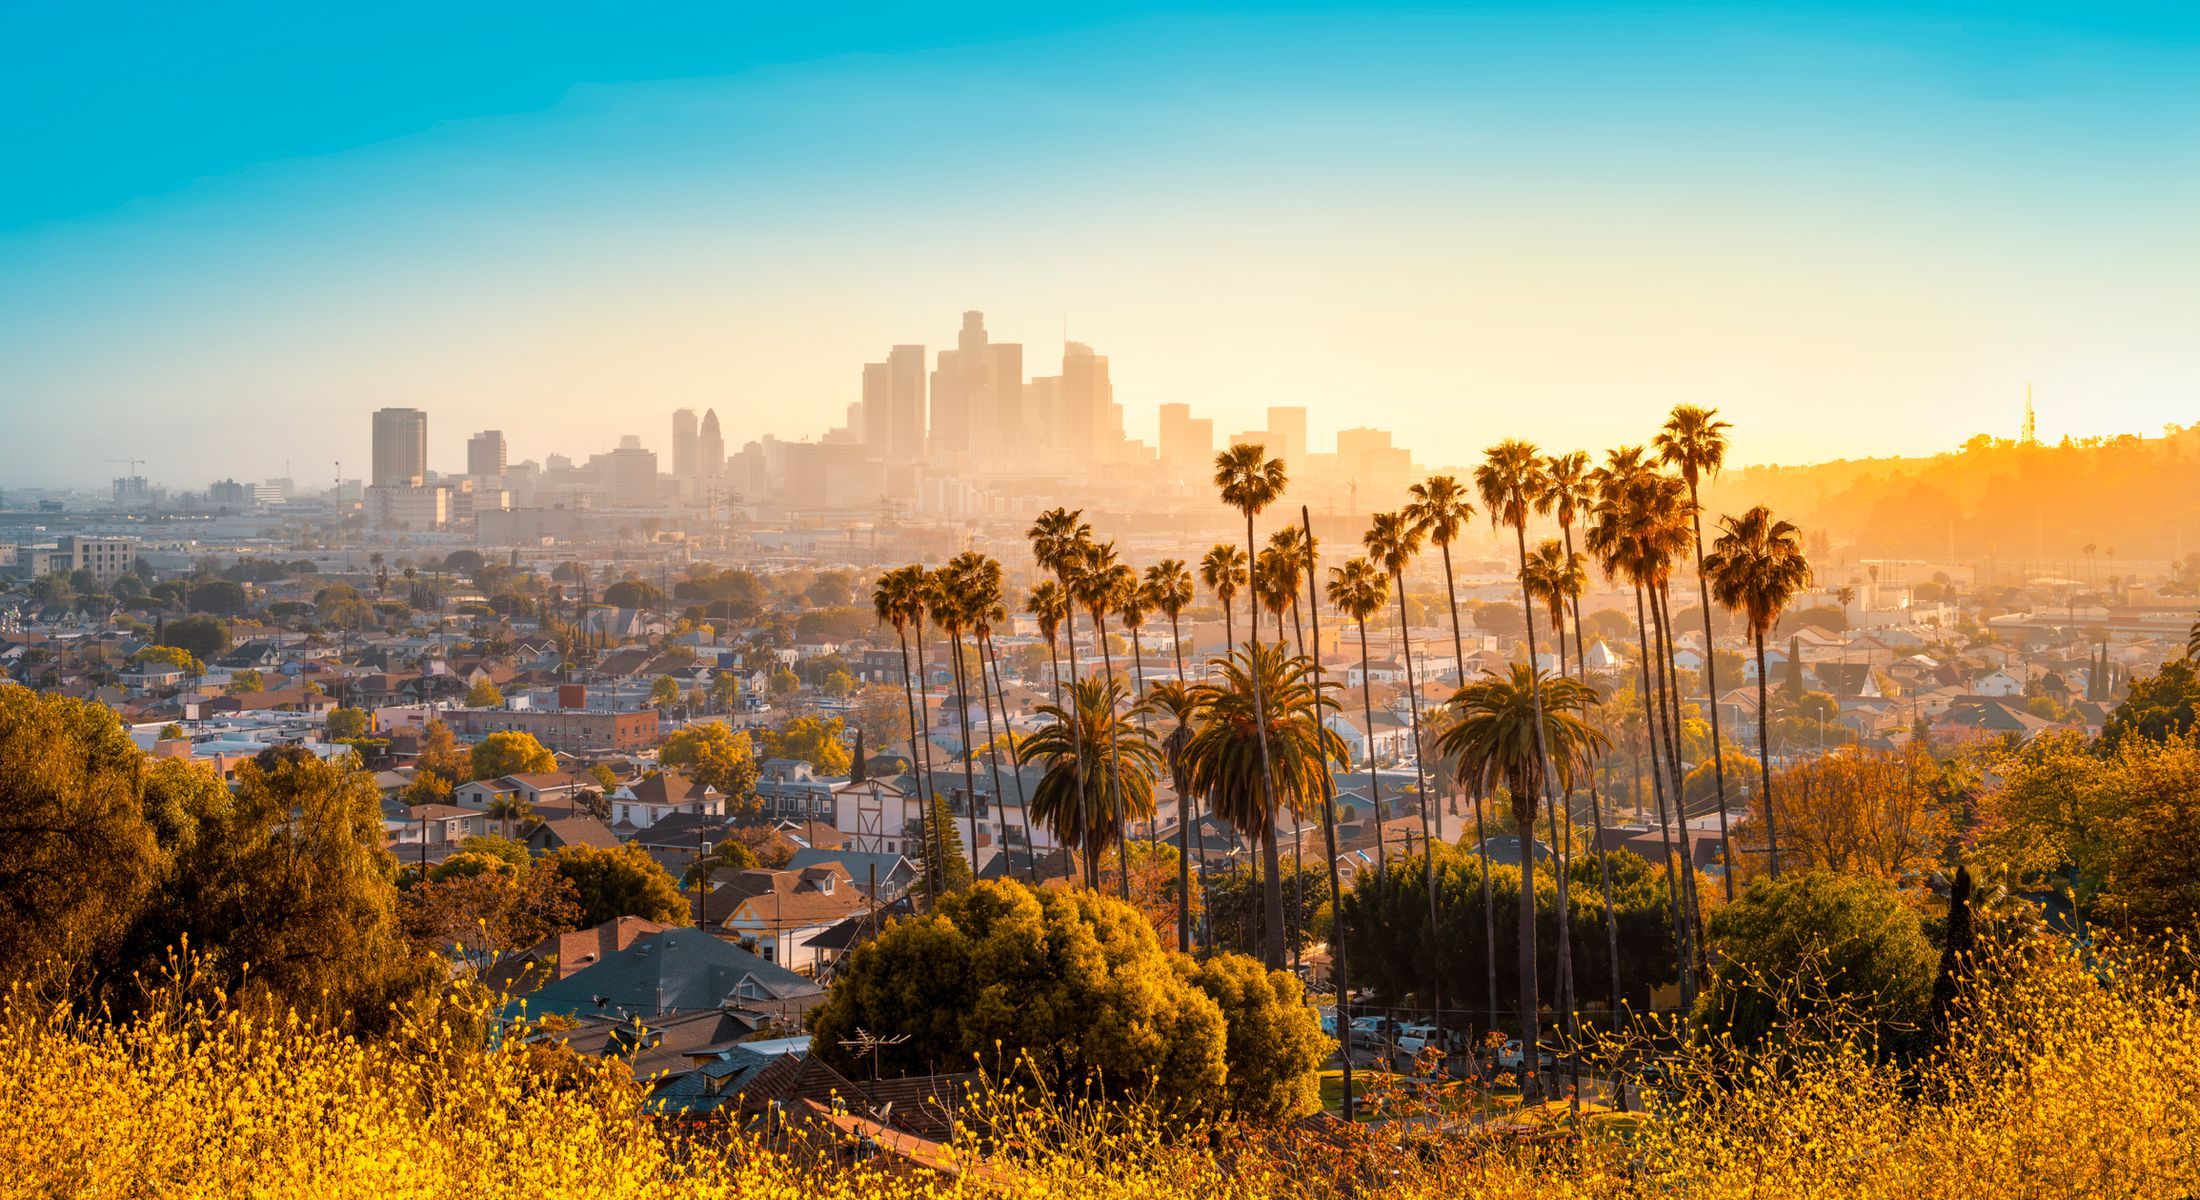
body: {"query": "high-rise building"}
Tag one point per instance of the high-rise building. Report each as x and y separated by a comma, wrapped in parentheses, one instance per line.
(711, 447)
(1287, 433)
(906, 402)
(1187, 442)
(633, 474)
(1090, 428)
(686, 444)
(485, 454)
(400, 447)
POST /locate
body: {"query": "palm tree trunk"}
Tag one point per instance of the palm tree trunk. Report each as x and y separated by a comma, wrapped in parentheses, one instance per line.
(1661, 613)
(1272, 895)
(1764, 759)
(1711, 689)
(1481, 835)
(1329, 822)
(1530, 1017)
(1563, 848)
(1115, 768)
(1374, 782)
(1428, 803)
(962, 719)
(1138, 681)
(1653, 713)
(1596, 809)
(987, 658)
(1069, 651)
(1183, 819)
(927, 787)
(909, 693)
(1298, 849)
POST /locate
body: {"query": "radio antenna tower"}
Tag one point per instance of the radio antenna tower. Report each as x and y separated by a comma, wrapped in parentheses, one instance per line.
(2031, 426)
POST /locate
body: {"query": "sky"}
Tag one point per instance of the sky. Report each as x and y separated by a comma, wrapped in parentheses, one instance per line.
(227, 236)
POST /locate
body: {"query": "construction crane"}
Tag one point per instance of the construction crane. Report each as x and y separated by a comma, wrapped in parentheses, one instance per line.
(135, 463)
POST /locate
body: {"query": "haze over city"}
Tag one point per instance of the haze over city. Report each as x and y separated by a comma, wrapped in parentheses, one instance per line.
(1856, 234)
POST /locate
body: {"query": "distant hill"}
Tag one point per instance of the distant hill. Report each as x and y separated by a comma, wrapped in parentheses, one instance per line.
(2135, 499)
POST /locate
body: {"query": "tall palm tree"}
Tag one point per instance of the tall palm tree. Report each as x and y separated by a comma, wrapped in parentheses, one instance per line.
(1441, 508)
(1169, 591)
(1261, 746)
(1570, 496)
(1276, 586)
(1076, 767)
(1528, 734)
(1329, 805)
(1757, 567)
(1097, 582)
(954, 590)
(1131, 607)
(899, 599)
(1556, 577)
(1359, 589)
(1391, 541)
(1058, 540)
(1283, 568)
(1222, 570)
(988, 610)
(1250, 481)
(1694, 440)
(1050, 607)
(1180, 703)
(1633, 536)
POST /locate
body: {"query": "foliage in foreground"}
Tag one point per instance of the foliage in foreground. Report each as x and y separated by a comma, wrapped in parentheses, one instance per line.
(2066, 1079)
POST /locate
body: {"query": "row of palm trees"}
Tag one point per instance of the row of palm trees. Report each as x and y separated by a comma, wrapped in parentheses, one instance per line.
(1254, 741)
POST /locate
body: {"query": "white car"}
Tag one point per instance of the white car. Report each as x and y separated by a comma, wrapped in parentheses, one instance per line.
(1415, 1038)
(1508, 1057)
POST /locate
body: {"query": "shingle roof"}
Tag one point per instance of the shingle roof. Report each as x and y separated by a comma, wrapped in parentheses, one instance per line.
(678, 970)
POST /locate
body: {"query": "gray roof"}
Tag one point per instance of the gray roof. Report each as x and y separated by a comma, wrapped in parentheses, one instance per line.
(679, 970)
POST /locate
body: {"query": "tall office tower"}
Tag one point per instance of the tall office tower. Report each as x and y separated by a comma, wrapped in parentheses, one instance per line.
(633, 474)
(485, 454)
(1287, 433)
(1090, 428)
(977, 395)
(877, 398)
(686, 443)
(400, 447)
(711, 447)
(905, 404)
(1043, 410)
(1005, 378)
(1187, 443)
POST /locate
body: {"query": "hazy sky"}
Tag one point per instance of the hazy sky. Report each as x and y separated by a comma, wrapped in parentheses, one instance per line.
(226, 236)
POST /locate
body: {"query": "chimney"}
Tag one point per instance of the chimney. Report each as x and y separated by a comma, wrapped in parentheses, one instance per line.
(572, 695)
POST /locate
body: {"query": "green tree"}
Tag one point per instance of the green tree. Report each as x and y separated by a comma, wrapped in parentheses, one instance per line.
(484, 694)
(1249, 482)
(246, 682)
(1071, 980)
(77, 857)
(729, 856)
(941, 860)
(283, 889)
(664, 692)
(1082, 797)
(204, 637)
(1273, 1047)
(816, 741)
(1234, 897)
(2159, 705)
(510, 752)
(714, 754)
(620, 882)
(173, 657)
(1817, 945)
(784, 684)
(632, 593)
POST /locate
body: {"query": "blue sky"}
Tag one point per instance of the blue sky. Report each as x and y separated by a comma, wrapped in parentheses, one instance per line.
(224, 238)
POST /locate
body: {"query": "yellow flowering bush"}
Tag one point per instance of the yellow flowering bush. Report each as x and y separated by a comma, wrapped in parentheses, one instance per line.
(2069, 1078)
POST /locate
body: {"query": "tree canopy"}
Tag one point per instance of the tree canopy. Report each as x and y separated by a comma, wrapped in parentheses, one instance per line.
(510, 752)
(713, 753)
(620, 882)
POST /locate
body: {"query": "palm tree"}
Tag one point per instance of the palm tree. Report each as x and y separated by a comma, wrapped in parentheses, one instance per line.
(1097, 581)
(1168, 591)
(1074, 767)
(1391, 541)
(1046, 606)
(1329, 804)
(1694, 440)
(1527, 733)
(1555, 577)
(506, 809)
(1441, 509)
(1633, 535)
(953, 592)
(1249, 481)
(2192, 641)
(1571, 494)
(1058, 541)
(1223, 571)
(987, 611)
(1278, 584)
(1283, 568)
(1181, 704)
(1261, 746)
(1359, 589)
(1756, 568)
(1131, 607)
(899, 599)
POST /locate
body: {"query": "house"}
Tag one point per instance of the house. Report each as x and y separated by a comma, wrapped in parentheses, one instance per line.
(641, 804)
(783, 912)
(556, 833)
(895, 873)
(563, 954)
(1997, 683)
(673, 971)
(432, 831)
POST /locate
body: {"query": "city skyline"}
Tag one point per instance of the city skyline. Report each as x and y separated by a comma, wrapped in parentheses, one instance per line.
(1559, 221)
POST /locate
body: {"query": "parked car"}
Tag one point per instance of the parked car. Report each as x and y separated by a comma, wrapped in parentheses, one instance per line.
(1373, 1031)
(1508, 1057)
(1415, 1038)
